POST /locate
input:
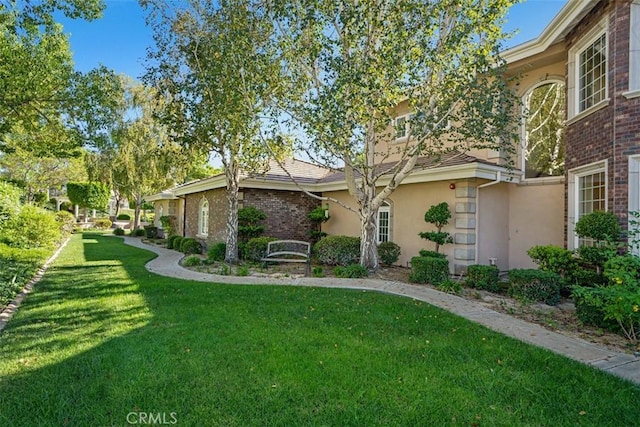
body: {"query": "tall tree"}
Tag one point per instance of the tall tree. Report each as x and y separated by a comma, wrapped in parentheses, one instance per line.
(140, 159)
(351, 63)
(41, 96)
(213, 58)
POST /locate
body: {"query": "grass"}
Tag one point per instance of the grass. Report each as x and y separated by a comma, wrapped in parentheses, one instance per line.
(101, 338)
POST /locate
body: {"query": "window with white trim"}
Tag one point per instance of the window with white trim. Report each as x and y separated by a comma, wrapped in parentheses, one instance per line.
(634, 48)
(383, 221)
(544, 130)
(203, 218)
(588, 193)
(401, 126)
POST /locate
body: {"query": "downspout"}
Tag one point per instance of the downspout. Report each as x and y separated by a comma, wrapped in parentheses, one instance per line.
(498, 180)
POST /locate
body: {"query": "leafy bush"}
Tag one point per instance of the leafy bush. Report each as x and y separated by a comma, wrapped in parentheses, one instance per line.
(176, 242)
(9, 201)
(317, 216)
(137, 232)
(189, 245)
(171, 240)
(557, 260)
(433, 270)
(535, 285)
(317, 272)
(249, 226)
(168, 224)
(102, 223)
(192, 261)
(338, 250)
(352, 271)
(483, 277)
(623, 269)
(32, 227)
(123, 217)
(17, 267)
(66, 221)
(256, 248)
(242, 270)
(388, 252)
(151, 231)
(217, 251)
(590, 313)
(599, 226)
(434, 254)
(118, 232)
(450, 286)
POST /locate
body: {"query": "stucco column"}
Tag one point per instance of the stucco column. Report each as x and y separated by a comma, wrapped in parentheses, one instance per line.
(465, 224)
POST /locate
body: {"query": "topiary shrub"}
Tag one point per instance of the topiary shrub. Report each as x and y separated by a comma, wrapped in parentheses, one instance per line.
(123, 217)
(433, 270)
(217, 252)
(256, 248)
(352, 271)
(151, 231)
(388, 252)
(189, 245)
(557, 260)
(483, 277)
(170, 241)
(438, 215)
(192, 261)
(118, 232)
(599, 226)
(535, 285)
(177, 241)
(249, 223)
(338, 250)
(428, 253)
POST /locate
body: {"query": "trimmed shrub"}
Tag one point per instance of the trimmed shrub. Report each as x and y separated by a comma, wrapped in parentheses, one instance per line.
(338, 250)
(388, 252)
(192, 261)
(433, 270)
(170, 240)
(102, 223)
(137, 232)
(599, 226)
(557, 260)
(118, 232)
(217, 251)
(177, 241)
(352, 271)
(189, 245)
(32, 227)
(433, 254)
(249, 223)
(123, 217)
(67, 222)
(151, 231)
(535, 285)
(256, 248)
(483, 277)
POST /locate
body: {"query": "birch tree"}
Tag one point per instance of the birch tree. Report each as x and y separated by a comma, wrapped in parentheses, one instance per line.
(213, 60)
(350, 63)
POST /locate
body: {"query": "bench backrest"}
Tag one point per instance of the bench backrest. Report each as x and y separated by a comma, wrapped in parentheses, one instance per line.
(288, 247)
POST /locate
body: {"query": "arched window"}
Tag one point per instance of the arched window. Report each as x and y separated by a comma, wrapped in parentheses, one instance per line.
(544, 130)
(203, 218)
(384, 223)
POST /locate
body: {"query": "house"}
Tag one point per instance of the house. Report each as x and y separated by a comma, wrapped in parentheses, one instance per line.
(579, 152)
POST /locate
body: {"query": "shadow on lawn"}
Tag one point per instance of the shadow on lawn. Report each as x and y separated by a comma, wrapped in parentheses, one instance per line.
(106, 342)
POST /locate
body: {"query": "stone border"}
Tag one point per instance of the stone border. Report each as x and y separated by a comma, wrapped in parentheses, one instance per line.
(12, 307)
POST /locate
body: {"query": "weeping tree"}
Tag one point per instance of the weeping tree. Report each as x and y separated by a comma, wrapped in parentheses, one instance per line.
(213, 60)
(350, 64)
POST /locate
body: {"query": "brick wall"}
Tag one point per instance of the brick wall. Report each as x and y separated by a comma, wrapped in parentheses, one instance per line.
(286, 211)
(612, 133)
(217, 214)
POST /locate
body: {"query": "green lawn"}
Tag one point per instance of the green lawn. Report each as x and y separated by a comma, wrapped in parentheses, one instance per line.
(101, 341)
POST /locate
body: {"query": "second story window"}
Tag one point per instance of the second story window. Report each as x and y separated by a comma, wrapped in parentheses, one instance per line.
(401, 124)
(592, 73)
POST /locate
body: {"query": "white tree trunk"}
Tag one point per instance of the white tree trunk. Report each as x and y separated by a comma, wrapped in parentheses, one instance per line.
(368, 241)
(232, 177)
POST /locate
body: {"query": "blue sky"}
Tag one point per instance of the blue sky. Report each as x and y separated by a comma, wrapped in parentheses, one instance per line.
(119, 40)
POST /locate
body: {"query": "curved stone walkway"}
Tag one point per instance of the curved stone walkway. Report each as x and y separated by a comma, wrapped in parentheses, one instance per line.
(623, 365)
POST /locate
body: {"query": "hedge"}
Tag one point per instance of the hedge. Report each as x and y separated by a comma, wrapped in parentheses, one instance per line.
(433, 270)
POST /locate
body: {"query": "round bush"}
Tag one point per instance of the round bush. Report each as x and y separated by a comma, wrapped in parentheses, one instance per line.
(137, 232)
(256, 248)
(190, 245)
(177, 241)
(599, 226)
(388, 252)
(123, 217)
(170, 241)
(217, 251)
(118, 232)
(338, 250)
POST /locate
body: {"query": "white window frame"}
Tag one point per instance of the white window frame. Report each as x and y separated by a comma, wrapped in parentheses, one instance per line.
(634, 51)
(574, 196)
(385, 208)
(405, 127)
(523, 128)
(203, 218)
(573, 88)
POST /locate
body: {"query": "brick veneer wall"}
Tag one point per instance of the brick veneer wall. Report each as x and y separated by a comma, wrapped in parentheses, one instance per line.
(612, 133)
(286, 211)
(217, 214)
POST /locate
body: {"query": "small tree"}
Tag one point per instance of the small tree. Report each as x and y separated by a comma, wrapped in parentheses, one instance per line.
(317, 216)
(249, 225)
(89, 195)
(438, 215)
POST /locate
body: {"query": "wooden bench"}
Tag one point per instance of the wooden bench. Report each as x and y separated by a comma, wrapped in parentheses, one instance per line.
(289, 251)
